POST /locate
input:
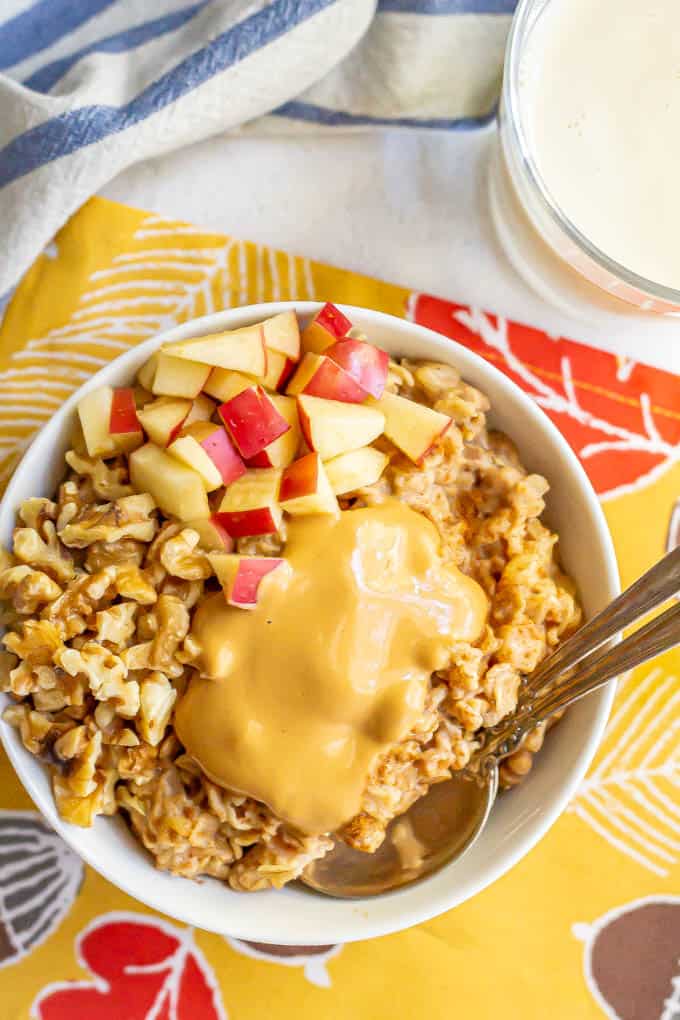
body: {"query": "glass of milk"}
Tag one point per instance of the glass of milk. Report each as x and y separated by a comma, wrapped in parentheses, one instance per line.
(585, 182)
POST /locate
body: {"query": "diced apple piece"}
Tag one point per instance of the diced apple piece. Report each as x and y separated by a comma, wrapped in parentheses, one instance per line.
(305, 488)
(327, 326)
(163, 418)
(189, 451)
(223, 384)
(411, 426)
(366, 364)
(251, 504)
(176, 489)
(282, 334)
(355, 469)
(147, 372)
(252, 420)
(123, 417)
(240, 349)
(332, 428)
(202, 409)
(318, 376)
(206, 447)
(279, 370)
(94, 412)
(176, 377)
(213, 536)
(241, 577)
(281, 452)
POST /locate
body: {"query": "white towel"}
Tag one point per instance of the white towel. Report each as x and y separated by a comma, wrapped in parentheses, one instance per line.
(88, 87)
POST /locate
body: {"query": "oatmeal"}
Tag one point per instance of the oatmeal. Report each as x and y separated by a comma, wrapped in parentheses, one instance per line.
(285, 585)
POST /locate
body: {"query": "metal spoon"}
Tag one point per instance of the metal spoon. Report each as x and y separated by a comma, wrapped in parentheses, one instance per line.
(444, 824)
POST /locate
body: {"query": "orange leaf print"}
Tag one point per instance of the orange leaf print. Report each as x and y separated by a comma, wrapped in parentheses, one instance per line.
(621, 418)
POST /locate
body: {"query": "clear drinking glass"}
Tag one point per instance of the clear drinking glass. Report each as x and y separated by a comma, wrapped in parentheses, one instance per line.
(554, 256)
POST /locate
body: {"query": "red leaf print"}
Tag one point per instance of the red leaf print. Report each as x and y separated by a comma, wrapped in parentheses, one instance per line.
(144, 969)
(621, 418)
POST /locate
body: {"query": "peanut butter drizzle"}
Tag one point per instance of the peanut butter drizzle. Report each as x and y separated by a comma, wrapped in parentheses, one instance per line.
(300, 695)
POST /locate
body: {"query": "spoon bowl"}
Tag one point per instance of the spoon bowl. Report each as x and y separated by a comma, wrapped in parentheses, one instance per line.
(437, 828)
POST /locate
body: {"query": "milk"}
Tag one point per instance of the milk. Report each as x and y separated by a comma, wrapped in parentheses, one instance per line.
(600, 103)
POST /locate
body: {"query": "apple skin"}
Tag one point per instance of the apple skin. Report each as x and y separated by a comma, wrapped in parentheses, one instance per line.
(224, 456)
(305, 488)
(123, 417)
(300, 478)
(241, 576)
(366, 364)
(282, 334)
(252, 421)
(318, 376)
(281, 452)
(94, 413)
(248, 523)
(250, 505)
(332, 319)
(327, 326)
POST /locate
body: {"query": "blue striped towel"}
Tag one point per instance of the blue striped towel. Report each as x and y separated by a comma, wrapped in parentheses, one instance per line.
(88, 87)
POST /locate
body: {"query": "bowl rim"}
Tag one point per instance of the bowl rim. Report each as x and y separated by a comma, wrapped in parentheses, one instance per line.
(358, 927)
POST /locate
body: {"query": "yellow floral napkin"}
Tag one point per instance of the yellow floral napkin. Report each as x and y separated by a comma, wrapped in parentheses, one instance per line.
(588, 924)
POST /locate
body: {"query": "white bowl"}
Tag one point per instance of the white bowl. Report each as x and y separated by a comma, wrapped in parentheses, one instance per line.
(294, 916)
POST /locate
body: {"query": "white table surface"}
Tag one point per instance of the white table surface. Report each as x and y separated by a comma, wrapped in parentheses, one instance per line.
(409, 207)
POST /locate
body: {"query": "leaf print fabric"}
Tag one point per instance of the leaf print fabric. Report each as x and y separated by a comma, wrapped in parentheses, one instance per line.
(587, 924)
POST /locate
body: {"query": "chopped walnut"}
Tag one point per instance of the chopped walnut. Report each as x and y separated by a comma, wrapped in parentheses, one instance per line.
(70, 501)
(106, 554)
(77, 791)
(24, 679)
(173, 626)
(133, 583)
(8, 663)
(37, 642)
(27, 589)
(33, 727)
(106, 673)
(74, 610)
(44, 553)
(109, 481)
(157, 698)
(36, 510)
(109, 522)
(116, 625)
(163, 630)
(188, 592)
(71, 744)
(182, 558)
(152, 563)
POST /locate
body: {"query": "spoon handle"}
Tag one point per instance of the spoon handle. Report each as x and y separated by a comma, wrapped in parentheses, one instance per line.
(585, 676)
(655, 587)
